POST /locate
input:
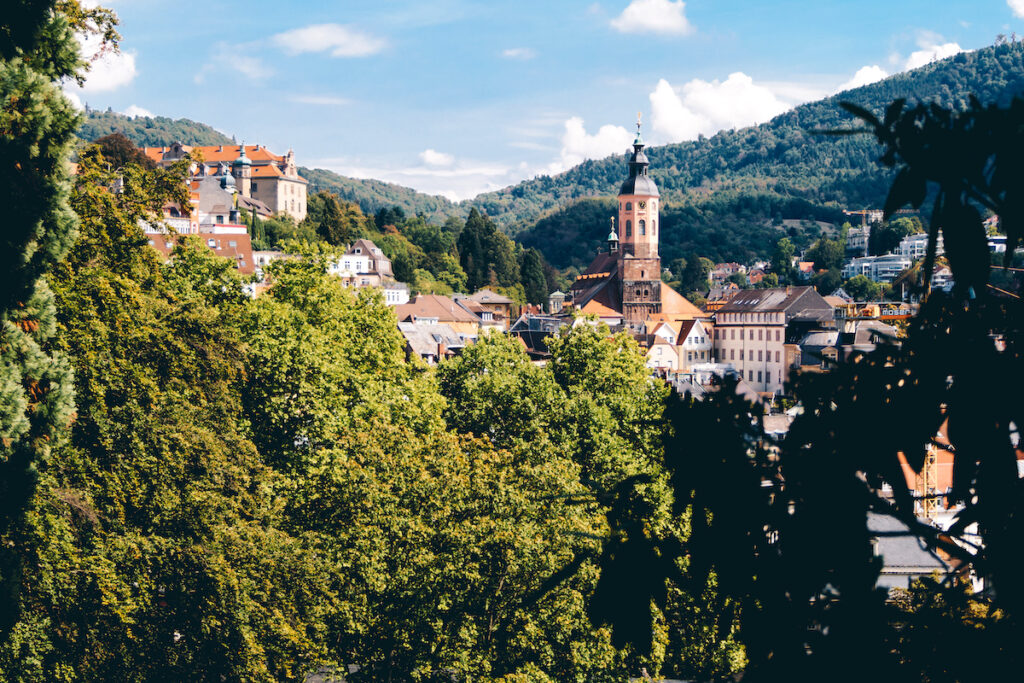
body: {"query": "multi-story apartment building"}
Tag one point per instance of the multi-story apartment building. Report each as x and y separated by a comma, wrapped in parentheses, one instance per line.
(915, 247)
(878, 268)
(753, 328)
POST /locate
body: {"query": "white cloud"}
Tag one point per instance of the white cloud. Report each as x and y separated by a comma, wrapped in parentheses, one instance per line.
(1017, 7)
(234, 58)
(337, 39)
(864, 76)
(108, 70)
(463, 180)
(708, 107)
(433, 158)
(578, 145)
(930, 52)
(75, 100)
(136, 110)
(653, 16)
(325, 100)
(522, 53)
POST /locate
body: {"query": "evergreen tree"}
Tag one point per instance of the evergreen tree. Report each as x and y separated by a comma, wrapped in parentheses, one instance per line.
(471, 250)
(37, 51)
(534, 281)
(782, 260)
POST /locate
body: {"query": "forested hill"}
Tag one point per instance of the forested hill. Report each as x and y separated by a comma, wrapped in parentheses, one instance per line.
(373, 195)
(147, 131)
(767, 165)
(370, 195)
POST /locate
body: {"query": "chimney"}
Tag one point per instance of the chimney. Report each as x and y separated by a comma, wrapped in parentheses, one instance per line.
(442, 350)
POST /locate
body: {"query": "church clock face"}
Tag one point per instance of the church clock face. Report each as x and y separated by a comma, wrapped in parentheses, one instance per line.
(642, 205)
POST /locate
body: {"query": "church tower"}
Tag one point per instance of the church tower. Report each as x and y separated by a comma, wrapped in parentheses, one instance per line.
(241, 169)
(639, 266)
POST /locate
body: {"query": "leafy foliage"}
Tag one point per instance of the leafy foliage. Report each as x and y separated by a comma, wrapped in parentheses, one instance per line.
(783, 527)
(37, 51)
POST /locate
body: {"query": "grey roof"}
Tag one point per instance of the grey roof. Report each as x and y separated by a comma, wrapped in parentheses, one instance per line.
(820, 339)
(796, 302)
(899, 547)
(423, 339)
(638, 181)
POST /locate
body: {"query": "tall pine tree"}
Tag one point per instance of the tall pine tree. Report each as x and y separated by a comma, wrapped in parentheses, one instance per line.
(37, 51)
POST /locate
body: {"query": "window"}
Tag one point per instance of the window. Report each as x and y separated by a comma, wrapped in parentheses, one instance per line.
(733, 333)
(642, 225)
(702, 355)
(629, 206)
(776, 335)
(741, 354)
(759, 376)
(759, 356)
(750, 375)
(760, 334)
(220, 219)
(776, 356)
(732, 354)
(689, 356)
(629, 227)
(654, 227)
(254, 186)
(232, 243)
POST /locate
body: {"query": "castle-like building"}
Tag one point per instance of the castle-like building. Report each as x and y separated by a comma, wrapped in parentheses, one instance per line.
(625, 281)
(258, 174)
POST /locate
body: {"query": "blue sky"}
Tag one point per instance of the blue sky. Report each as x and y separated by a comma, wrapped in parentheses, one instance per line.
(455, 97)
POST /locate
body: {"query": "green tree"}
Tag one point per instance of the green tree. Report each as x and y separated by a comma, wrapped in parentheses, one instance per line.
(885, 237)
(782, 260)
(862, 288)
(118, 150)
(695, 274)
(151, 539)
(37, 52)
(534, 282)
(827, 281)
(826, 254)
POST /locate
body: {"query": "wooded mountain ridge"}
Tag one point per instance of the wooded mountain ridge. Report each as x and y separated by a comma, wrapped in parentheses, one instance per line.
(720, 195)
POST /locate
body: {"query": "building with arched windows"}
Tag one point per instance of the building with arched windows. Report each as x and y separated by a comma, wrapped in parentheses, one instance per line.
(623, 284)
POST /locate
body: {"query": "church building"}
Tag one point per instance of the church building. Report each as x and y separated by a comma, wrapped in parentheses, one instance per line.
(623, 284)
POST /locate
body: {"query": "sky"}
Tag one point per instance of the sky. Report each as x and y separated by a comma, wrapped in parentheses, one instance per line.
(455, 98)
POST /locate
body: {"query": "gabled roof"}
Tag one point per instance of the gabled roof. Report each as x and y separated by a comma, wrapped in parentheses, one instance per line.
(423, 338)
(366, 247)
(213, 154)
(685, 329)
(676, 305)
(486, 296)
(796, 302)
(435, 306)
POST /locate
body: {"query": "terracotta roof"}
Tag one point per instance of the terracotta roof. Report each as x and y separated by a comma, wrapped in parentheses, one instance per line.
(240, 254)
(268, 171)
(435, 306)
(676, 305)
(217, 153)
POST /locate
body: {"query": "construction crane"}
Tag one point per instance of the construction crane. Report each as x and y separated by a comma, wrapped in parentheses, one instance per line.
(927, 484)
